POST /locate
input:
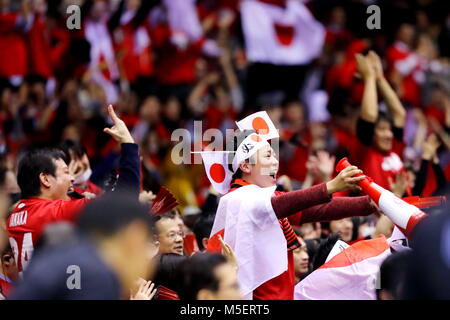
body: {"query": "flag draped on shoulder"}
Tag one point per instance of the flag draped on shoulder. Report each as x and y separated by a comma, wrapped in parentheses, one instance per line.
(281, 32)
(246, 221)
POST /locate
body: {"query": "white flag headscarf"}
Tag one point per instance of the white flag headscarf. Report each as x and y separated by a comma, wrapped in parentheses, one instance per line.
(216, 162)
(261, 123)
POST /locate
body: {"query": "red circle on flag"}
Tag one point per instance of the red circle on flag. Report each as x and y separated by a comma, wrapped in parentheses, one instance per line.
(217, 172)
(256, 138)
(260, 125)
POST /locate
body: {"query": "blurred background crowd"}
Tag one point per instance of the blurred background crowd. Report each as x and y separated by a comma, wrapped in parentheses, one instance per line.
(164, 64)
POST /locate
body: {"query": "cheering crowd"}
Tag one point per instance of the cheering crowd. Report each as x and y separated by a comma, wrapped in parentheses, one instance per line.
(93, 205)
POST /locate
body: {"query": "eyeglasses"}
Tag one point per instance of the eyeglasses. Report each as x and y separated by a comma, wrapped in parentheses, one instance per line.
(173, 235)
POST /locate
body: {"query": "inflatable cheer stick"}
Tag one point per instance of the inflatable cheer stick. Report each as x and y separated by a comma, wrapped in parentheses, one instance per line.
(404, 215)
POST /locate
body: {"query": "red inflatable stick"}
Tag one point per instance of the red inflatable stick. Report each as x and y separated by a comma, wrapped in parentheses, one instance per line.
(404, 215)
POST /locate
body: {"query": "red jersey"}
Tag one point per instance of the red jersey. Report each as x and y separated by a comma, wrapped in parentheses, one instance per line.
(29, 219)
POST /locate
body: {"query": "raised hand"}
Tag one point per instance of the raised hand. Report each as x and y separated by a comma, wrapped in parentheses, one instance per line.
(399, 186)
(146, 197)
(146, 291)
(345, 180)
(430, 147)
(228, 253)
(376, 64)
(325, 164)
(119, 130)
(75, 168)
(365, 69)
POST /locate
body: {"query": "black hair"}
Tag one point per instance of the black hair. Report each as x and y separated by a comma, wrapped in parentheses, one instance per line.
(69, 145)
(202, 229)
(232, 145)
(393, 273)
(111, 213)
(383, 116)
(324, 250)
(168, 270)
(198, 273)
(31, 165)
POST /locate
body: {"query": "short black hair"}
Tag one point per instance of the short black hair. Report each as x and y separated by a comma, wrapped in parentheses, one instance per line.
(324, 250)
(168, 270)
(393, 273)
(69, 145)
(232, 145)
(110, 214)
(198, 273)
(31, 164)
(202, 229)
(383, 116)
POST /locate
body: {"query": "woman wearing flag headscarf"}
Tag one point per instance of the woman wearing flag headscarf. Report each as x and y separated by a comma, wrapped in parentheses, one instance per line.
(252, 216)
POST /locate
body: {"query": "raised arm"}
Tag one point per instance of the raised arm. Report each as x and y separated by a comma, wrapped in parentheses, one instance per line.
(129, 175)
(292, 202)
(339, 208)
(369, 108)
(394, 104)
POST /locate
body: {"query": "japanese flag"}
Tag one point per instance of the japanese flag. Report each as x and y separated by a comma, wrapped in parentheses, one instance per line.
(349, 275)
(281, 32)
(261, 123)
(216, 167)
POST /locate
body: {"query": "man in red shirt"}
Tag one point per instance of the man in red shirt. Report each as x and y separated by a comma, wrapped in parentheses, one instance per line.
(45, 180)
(380, 144)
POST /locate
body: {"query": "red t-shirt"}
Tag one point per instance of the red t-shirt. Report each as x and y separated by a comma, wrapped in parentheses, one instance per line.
(377, 165)
(29, 219)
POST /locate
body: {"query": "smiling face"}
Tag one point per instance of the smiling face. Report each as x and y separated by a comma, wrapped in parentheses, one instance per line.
(56, 186)
(383, 137)
(262, 168)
